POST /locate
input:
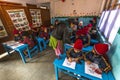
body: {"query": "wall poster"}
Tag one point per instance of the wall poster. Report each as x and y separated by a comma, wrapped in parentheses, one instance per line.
(36, 17)
(19, 19)
(3, 32)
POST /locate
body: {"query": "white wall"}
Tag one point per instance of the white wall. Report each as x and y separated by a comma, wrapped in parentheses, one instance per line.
(59, 8)
(82, 7)
(23, 1)
(43, 1)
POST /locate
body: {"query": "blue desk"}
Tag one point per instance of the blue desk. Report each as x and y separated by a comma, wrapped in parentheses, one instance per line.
(78, 70)
(10, 45)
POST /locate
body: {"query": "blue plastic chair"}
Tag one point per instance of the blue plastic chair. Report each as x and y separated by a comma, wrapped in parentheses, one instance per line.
(41, 43)
(34, 51)
(94, 41)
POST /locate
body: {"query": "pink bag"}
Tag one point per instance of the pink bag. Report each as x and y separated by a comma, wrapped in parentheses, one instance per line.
(59, 48)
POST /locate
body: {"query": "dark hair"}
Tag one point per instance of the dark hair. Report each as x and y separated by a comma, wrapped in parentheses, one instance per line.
(25, 33)
(91, 21)
(56, 20)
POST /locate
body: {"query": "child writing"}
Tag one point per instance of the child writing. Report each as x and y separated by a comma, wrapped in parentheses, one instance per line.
(75, 54)
(84, 36)
(97, 56)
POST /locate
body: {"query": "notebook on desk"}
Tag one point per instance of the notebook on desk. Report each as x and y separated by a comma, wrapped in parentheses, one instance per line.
(13, 44)
(68, 64)
(90, 69)
(16, 45)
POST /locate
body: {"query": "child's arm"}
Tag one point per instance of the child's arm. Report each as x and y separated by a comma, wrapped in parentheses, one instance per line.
(86, 57)
(68, 55)
(104, 65)
(68, 52)
(78, 58)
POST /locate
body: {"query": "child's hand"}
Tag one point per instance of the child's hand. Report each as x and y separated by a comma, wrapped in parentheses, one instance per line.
(76, 59)
(88, 62)
(70, 59)
(44, 38)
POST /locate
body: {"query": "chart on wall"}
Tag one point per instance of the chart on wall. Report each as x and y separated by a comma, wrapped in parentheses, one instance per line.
(3, 32)
(36, 17)
(19, 19)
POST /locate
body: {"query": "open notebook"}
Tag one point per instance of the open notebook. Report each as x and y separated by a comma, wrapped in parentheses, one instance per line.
(90, 69)
(68, 64)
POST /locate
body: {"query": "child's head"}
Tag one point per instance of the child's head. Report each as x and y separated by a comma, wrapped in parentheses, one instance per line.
(25, 34)
(72, 24)
(80, 23)
(45, 29)
(78, 45)
(100, 48)
(94, 19)
(56, 21)
(51, 26)
(89, 27)
(16, 32)
(42, 28)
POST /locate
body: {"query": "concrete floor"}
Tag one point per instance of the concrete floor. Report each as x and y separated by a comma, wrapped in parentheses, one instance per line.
(40, 67)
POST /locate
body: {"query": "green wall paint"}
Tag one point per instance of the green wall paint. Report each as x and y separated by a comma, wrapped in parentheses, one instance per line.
(119, 31)
(114, 56)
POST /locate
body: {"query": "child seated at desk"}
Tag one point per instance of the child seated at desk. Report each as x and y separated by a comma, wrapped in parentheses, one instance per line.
(84, 36)
(43, 33)
(97, 55)
(17, 36)
(75, 54)
(27, 40)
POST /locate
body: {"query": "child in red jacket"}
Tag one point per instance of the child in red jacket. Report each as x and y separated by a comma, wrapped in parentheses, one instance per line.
(17, 36)
(43, 33)
(27, 40)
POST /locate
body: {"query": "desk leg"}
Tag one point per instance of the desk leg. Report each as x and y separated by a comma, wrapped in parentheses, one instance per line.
(29, 53)
(44, 44)
(56, 72)
(40, 46)
(22, 56)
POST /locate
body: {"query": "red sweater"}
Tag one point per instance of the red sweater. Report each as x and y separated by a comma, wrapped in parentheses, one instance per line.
(29, 42)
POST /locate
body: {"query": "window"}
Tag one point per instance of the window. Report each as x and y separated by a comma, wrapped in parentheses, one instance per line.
(114, 29)
(104, 21)
(110, 24)
(101, 18)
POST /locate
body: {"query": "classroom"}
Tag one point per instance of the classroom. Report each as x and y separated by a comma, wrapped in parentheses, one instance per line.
(59, 39)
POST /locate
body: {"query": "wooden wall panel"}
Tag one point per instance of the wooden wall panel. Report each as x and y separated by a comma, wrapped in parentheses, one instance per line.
(45, 15)
(30, 6)
(7, 21)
